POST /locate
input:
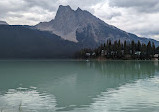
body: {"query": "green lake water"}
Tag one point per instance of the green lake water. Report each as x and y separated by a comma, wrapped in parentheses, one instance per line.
(79, 86)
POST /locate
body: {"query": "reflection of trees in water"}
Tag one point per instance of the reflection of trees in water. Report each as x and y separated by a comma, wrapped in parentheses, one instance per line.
(76, 83)
(127, 69)
(96, 77)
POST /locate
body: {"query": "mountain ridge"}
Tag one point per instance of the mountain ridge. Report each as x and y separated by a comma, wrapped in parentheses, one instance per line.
(3, 23)
(73, 19)
(81, 26)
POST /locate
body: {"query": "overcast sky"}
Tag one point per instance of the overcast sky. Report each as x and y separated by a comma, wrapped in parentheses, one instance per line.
(136, 16)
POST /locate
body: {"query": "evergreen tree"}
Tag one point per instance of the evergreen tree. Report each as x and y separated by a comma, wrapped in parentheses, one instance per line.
(133, 48)
(138, 46)
(153, 48)
(119, 50)
(115, 48)
(157, 50)
(114, 51)
(143, 51)
(149, 49)
(109, 47)
(126, 49)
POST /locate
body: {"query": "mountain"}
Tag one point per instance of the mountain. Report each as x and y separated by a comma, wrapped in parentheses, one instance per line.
(24, 42)
(61, 37)
(82, 27)
(3, 23)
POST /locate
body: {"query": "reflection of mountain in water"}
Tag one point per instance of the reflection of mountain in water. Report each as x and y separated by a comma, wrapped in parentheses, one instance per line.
(74, 84)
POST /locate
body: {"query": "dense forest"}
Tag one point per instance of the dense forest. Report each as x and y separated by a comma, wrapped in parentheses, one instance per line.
(118, 50)
(18, 42)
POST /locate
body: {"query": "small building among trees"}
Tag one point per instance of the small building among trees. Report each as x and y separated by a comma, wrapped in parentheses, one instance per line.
(126, 50)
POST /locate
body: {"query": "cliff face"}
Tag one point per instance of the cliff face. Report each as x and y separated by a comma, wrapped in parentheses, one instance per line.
(67, 22)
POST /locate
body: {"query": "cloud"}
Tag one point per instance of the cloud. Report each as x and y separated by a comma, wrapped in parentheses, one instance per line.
(147, 6)
(125, 14)
(20, 11)
(104, 11)
(33, 11)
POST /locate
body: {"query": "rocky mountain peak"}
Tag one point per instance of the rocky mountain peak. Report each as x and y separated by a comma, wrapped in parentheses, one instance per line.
(68, 21)
(63, 11)
(65, 22)
(78, 10)
(64, 7)
(83, 27)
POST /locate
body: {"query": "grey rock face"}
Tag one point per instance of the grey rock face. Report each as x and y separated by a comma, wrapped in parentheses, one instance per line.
(83, 27)
(67, 22)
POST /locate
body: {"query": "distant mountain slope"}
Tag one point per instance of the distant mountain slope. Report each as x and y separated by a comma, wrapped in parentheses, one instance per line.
(82, 27)
(3, 23)
(23, 42)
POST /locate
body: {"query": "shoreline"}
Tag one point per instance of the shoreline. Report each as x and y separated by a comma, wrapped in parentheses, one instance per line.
(76, 59)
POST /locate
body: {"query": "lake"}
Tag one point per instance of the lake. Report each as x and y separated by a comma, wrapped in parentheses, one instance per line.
(79, 86)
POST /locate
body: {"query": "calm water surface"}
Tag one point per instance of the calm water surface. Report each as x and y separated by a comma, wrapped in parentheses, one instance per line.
(79, 86)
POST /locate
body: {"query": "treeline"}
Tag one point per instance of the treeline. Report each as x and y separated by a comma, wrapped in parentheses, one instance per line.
(119, 50)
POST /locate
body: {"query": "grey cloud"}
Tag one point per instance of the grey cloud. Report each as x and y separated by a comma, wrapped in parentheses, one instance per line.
(146, 6)
(18, 8)
(45, 4)
(113, 15)
(110, 16)
(83, 3)
(149, 33)
(145, 29)
(52, 5)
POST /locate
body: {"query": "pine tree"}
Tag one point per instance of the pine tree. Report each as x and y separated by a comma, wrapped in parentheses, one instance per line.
(149, 49)
(138, 46)
(153, 48)
(125, 48)
(133, 48)
(115, 47)
(119, 49)
(143, 51)
(109, 48)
